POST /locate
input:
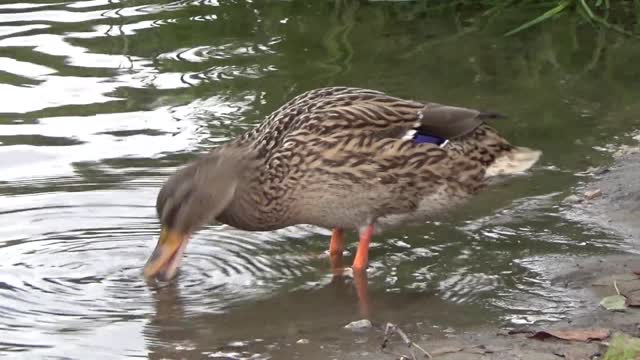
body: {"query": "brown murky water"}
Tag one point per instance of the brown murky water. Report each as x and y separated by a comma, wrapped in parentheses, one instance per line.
(102, 99)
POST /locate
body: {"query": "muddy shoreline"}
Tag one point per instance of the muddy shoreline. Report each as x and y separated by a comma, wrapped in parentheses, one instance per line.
(609, 198)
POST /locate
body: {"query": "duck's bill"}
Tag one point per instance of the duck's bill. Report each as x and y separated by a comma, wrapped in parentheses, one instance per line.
(165, 259)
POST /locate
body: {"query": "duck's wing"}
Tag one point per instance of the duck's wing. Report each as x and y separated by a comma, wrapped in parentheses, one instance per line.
(334, 110)
(352, 112)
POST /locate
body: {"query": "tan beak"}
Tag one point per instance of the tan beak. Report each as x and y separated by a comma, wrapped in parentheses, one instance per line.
(165, 258)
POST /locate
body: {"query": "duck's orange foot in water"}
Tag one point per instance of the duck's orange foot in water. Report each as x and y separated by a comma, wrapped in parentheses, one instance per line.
(360, 282)
(360, 270)
(336, 248)
(362, 255)
(362, 289)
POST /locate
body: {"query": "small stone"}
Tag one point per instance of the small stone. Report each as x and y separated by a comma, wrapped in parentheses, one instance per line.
(571, 199)
(302, 341)
(591, 170)
(359, 325)
(592, 194)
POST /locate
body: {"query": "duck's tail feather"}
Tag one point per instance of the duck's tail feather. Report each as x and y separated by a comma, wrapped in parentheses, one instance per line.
(517, 160)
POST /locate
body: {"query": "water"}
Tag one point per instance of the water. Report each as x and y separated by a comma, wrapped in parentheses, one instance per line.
(101, 100)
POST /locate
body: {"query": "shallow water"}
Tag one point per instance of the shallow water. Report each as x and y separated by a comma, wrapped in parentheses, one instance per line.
(101, 100)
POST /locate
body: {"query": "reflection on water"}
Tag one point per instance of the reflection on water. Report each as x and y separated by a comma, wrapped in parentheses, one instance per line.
(102, 99)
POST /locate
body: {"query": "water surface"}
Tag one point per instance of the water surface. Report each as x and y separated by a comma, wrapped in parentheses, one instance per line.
(102, 99)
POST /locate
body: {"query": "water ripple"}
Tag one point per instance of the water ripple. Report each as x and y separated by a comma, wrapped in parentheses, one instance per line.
(103, 99)
(65, 275)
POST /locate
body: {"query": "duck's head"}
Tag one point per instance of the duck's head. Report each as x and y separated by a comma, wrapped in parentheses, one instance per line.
(190, 199)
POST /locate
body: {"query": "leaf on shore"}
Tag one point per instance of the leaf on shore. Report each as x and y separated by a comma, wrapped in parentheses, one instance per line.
(614, 303)
(573, 335)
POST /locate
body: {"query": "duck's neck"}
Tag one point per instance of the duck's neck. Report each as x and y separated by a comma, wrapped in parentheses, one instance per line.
(252, 207)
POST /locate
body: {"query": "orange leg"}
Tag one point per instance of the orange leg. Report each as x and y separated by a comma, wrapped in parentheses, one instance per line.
(336, 248)
(362, 255)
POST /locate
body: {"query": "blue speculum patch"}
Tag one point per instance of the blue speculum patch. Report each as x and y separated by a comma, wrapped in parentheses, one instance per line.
(422, 138)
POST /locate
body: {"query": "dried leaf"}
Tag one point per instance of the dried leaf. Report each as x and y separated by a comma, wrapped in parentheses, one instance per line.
(573, 335)
(614, 303)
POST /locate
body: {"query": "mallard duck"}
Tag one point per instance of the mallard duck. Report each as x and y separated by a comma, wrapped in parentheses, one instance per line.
(341, 158)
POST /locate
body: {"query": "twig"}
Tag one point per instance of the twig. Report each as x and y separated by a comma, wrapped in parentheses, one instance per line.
(615, 286)
(391, 329)
(426, 353)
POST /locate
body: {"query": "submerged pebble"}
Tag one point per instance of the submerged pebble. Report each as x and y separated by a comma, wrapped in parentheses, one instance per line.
(359, 325)
(571, 199)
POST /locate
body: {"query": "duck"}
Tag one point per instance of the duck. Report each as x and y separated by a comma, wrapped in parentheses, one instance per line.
(341, 158)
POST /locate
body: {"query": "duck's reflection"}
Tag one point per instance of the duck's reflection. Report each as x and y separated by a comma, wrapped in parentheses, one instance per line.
(360, 282)
(168, 331)
(183, 329)
(175, 331)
